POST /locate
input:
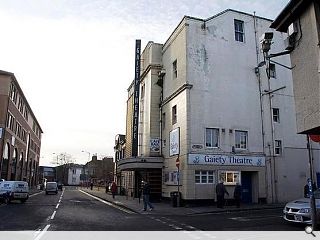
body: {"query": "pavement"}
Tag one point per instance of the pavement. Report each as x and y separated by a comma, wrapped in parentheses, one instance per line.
(166, 208)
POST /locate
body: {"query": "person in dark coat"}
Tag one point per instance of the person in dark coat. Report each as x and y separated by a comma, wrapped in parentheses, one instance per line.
(113, 189)
(237, 194)
(221, 191)
(146, 196)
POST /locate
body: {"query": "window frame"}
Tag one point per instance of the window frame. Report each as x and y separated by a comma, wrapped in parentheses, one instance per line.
(207, 175)
(211, 136)
(276, 115)
(277, 146)
(175, 69)
(240, 144)
(174, 114)
(272, 70)
(239, 34)
(227, 173)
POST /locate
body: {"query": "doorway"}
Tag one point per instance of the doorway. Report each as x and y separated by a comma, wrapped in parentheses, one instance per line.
(246, 183)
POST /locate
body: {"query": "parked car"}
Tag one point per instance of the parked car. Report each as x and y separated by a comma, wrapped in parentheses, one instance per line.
(299, 210)
(14, 190)
(51, 187)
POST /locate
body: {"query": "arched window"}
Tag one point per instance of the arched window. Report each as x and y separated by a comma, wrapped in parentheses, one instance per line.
(14, 164)
(21, 164)
(5, 161)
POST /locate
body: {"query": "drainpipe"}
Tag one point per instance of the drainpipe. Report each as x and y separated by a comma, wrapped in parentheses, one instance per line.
(260, 97)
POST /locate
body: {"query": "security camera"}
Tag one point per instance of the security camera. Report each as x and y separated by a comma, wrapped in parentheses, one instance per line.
(267, 36)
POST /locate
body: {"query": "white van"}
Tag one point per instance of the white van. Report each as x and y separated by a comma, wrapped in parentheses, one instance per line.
(14, 190)
(51, 187)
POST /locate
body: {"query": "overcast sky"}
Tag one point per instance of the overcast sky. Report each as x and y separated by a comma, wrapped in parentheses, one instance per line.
(74, 60)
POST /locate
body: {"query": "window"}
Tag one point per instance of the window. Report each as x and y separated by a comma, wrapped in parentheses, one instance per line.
(174, 114)
(26, 113)
(272, 70)
(18, 130)
(229, 177)
(174, 69)
(163, 121)
(13, 94)
(10, 122)
(204, 177)
(73, 171)
(142, 92)
(212, 137)
(277, 147)
(20, 104)
(239, 30)
(275, 115)
(241, 139)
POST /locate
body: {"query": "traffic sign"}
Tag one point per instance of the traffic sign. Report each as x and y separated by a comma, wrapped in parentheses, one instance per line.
(177, 162)
(315, 138)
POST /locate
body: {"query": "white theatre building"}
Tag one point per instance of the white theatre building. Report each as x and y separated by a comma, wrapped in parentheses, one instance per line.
(204, 99)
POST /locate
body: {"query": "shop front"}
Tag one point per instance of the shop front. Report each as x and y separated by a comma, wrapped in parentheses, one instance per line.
(206, 170)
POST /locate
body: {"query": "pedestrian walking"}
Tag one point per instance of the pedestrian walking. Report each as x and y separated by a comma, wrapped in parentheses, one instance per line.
(306, 191)
(146, 196)
(221, 191)
(113, 189)
(91, 185)
(237, 194)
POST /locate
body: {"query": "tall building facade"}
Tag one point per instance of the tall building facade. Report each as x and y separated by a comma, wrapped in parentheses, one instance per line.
(301, 20)
(20, 133)
(209, 113)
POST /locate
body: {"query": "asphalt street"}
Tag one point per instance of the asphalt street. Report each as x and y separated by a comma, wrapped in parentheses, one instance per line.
(74, 210)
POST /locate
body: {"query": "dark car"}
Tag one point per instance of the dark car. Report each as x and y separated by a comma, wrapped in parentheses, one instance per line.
(60, 186)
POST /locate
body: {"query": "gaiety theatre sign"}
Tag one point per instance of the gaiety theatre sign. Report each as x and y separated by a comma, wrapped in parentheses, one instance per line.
(226, 160)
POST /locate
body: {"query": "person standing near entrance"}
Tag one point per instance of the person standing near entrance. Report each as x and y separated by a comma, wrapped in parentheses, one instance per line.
(221, 191)
(237, 194)
(146, 196)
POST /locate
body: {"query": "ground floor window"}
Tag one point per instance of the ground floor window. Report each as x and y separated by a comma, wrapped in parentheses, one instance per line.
(229, 177)
(204, 177)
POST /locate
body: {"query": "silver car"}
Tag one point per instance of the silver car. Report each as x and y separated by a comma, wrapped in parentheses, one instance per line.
(299, 210)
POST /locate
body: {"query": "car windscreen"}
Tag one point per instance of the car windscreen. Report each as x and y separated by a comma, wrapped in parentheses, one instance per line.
(51, 185)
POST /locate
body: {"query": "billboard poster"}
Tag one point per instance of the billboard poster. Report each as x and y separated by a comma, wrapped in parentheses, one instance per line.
(174, 142)
(155, 145)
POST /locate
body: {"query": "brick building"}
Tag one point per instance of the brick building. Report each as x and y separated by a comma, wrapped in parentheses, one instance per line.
(20, 133)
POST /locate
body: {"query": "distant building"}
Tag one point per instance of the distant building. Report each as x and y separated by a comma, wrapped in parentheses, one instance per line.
(300, 19)
(69, 174)
(99, 171)
(20, 133)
